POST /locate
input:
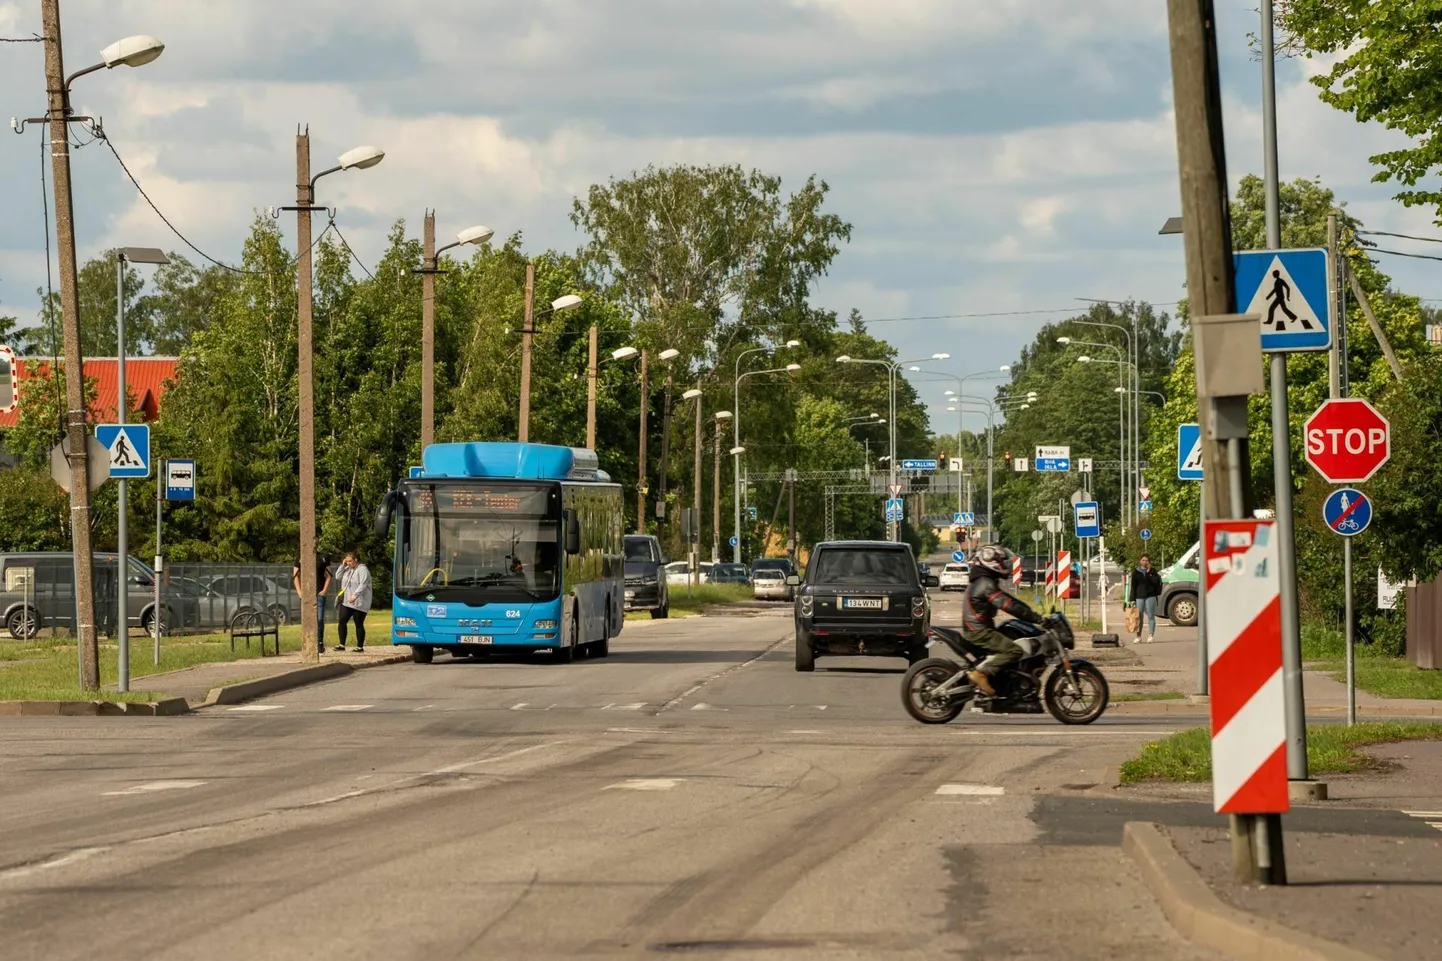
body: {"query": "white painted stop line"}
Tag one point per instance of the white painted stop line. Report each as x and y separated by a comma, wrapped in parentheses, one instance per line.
(970, 790)
(153, 786)
(646, 784)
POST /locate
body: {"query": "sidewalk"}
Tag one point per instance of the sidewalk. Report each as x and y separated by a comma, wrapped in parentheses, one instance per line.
(195, 684)
(1169, 663)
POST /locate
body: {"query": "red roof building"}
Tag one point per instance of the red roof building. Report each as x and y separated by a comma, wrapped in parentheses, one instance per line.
(146, 380)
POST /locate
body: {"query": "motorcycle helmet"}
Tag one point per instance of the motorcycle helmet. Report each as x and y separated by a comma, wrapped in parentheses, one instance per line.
(994, 558)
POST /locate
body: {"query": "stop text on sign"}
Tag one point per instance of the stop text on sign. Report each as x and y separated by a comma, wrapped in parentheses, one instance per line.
(1352, 440)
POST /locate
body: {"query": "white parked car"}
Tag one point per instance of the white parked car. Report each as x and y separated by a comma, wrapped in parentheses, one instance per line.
(768, 584)
(678, 572)
(955, 576)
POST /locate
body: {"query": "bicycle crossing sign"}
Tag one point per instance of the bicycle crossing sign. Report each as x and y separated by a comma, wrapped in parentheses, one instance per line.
(129, 447)
(1289, 291)
(1189, 452)
(1347, 511)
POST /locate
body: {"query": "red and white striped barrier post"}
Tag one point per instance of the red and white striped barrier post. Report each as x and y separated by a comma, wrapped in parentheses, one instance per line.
(1244, 658)
(1015, 570)
(1050, 583)
(1063, 574)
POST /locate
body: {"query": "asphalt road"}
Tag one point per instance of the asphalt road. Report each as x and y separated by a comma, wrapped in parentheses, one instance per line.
(689, 794)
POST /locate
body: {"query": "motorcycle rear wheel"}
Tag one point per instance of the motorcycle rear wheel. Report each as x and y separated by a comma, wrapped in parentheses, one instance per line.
(1082, 704)
(920, 679)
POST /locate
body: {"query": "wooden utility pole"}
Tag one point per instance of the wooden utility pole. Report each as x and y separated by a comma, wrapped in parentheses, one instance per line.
(716, 493)
(665, 459)
(523, 432)
(641, 454)
(428, 331)
(305, 199)
(591, 393)
(76, 439)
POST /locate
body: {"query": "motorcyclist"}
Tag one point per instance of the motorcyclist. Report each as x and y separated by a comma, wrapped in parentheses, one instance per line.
(990, 566)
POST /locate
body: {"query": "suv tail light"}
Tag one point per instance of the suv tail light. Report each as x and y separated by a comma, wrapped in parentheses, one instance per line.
(806, 605)
(918, 606)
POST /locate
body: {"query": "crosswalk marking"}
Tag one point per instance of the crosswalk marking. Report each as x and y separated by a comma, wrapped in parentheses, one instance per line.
(151, 787)
(625, 707)
(1433, 819)
(256, 707)
(971, 790)
(645, 784)
(348, 707)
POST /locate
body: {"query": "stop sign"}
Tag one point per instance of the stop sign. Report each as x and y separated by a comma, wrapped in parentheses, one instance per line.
(1347, 440)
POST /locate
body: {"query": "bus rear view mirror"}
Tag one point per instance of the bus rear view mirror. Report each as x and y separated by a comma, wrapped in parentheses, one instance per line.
(383, 514)
(573, 531)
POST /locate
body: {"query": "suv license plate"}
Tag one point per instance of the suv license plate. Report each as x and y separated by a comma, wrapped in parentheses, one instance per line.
(630, 595)
(870, 603)
(476, 639)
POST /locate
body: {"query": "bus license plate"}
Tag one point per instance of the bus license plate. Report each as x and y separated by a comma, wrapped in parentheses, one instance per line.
(869, 603)
(476, 639)
(630, 595)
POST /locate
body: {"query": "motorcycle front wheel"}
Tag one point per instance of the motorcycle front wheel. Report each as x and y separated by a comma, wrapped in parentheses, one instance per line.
(921, 679)
(1078, 698)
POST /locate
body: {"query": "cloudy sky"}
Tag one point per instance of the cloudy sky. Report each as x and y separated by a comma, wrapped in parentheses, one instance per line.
(997, 156)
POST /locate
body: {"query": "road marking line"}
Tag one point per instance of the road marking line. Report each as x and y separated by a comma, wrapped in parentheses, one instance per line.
(820, 707)
(970, 790)
(635, 730)
(256, 707)
(152, 786)
(645, 784)
(348, 707)
(449, 769)
(517, 707)
(708, 707)
(1423, 814)
(716, 677)
(70, 857)
(425, 707)
(804, 732)
(625, 707)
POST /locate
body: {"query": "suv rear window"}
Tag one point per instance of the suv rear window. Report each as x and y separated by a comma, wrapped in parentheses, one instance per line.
(864, 567)
(641, 549)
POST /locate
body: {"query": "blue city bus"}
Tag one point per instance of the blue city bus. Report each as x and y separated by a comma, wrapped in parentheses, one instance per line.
(506, 547)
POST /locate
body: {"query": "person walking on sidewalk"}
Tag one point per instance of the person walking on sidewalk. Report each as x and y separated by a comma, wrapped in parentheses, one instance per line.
(355, 599)
(1143, 589)
(322, 585)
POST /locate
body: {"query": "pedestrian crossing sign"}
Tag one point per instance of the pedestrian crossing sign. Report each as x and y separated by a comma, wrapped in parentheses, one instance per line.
(1189, 452)
(1290, 290)
(129, 447)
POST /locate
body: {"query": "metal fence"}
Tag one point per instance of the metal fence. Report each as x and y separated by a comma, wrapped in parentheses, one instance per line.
(208, 597)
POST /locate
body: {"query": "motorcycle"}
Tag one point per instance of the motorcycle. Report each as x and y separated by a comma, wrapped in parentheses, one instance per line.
(936, 690)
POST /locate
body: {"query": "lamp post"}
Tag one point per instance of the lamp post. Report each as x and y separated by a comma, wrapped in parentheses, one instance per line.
(358, 158)
(133, 51)
(693, 542)
(664, 474)
(1134, 353)
(736, 435)
(1121, 419)
(429, 259)
(528, 331)
(134, 255)
(719, 419)
(871, 420)
(1129, 451)
(592, 375)
(739, 450)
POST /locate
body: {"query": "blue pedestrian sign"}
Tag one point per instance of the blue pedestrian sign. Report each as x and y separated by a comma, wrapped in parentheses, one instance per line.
(180, 480)
(1144, 507)
(1288, 289)
(1088, 516)
(1146, 533)
(964, 519)
(734, 542)
(894, 509)
(129, 447)
(1189, 452)
(918, 465)
(417, 471)
(959, 556)
(1347, 511)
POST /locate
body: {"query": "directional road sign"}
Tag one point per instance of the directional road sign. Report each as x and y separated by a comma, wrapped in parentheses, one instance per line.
(964, 519)
(895, 511)
(959, 556)
(1084, 464)
(1088, 515)
(1288, 290)
(1347, 440)
(1053, 459)
(180, 480)
(918, 465)
(1146, 533)
(1348, 511)
(1189, 452)
(1020, 465)
(129, 447)
(417, 471)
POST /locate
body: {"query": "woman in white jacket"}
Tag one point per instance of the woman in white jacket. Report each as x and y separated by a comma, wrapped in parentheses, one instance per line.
(355, 599)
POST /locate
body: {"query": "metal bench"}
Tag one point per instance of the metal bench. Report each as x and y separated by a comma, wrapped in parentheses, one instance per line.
(255, 624)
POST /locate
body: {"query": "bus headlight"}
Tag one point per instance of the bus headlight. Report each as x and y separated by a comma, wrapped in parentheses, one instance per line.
(405, 622)
(544, 626)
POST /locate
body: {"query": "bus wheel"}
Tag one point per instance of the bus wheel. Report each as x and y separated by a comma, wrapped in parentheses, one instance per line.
(602, 648)
(422, 653)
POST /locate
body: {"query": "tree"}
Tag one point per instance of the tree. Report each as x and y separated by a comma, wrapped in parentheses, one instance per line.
(1385, 70)
(184, 301)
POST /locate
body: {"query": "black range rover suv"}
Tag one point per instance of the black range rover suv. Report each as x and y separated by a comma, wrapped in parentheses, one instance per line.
(862, 598)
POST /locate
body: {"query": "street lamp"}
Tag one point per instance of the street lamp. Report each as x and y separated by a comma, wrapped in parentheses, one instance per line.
(695, 538)
(528, 331)
(134, 255)
(719, 420)
(1130, 455)
(737, 451)
(130, 52)
(357, 158)
(1122, 421)
(430, 255)
(736, 462)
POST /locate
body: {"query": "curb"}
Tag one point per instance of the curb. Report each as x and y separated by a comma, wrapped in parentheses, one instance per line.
(1184, 707)
(300, 677)
(169, 707)
(1198, 915)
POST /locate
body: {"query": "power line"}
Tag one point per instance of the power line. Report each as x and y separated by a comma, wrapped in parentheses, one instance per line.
(1383, 233)
(346, 245)
(33, 38)
(1398, 253)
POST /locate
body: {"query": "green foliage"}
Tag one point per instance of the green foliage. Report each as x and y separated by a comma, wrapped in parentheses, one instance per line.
(34, 512)
(1384, 56)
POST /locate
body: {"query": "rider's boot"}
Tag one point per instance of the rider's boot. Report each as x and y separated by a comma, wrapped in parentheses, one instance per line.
(981, 682)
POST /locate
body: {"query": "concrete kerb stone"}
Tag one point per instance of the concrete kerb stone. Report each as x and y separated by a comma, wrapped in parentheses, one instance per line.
(1201, 917)
(1196, 709)
(164, 708)
(300, 677)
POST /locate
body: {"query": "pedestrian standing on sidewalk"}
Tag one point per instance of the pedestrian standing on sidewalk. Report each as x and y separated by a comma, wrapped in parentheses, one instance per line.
(355, 599)
(322, 584)
(1144, 588)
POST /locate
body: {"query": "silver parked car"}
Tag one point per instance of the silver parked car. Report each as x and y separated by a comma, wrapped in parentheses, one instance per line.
(769, 584)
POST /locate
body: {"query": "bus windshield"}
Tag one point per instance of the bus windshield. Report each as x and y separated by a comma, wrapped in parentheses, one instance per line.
(478, 542)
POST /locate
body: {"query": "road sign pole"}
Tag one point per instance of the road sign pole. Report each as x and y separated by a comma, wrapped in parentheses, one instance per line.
(164, 472)
(122, 531)
(1351, 638)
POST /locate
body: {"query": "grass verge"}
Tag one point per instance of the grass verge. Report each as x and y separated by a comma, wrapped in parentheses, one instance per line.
(44, 669)
(1331, 749)
(1389, 677)
(701, 597)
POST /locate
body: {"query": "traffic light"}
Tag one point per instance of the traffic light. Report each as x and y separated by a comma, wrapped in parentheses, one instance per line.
(1007, 455)
(941, 461)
